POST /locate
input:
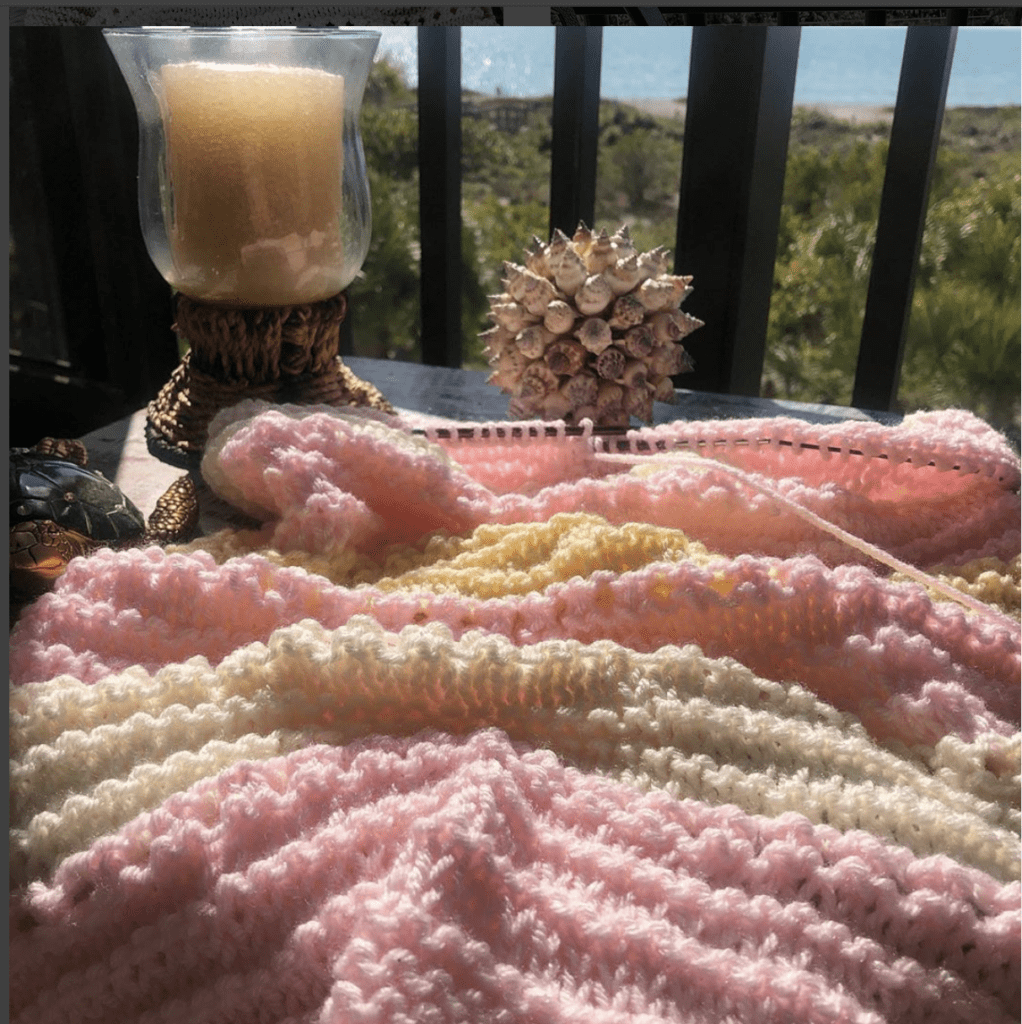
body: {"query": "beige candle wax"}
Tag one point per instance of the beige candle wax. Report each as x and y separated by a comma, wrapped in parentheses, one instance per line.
(254, 157)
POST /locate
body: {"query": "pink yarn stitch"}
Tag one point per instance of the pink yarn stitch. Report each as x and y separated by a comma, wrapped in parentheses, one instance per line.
(471, 879)
(907, 667)
(952, 439)
(451, 880)
(274, 463)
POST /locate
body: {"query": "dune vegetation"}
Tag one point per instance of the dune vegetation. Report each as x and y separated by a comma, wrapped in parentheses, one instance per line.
(963, 346)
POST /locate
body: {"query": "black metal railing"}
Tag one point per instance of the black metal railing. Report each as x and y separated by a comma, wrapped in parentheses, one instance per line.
(738, 118)
(74, 160)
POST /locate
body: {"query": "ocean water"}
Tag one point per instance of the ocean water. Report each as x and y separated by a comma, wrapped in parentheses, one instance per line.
(836, 65)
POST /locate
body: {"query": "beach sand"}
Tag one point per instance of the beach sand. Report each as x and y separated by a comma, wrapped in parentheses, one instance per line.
(856, 113)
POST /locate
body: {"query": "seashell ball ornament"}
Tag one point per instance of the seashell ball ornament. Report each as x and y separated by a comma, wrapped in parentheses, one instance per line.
(589, 328)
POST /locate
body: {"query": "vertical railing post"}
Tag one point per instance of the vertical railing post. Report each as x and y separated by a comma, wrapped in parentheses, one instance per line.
(440, 193)
(915, 135)
(738, 118)
(576, 126)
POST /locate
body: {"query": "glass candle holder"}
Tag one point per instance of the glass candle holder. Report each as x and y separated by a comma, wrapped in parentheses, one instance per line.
(254, 205)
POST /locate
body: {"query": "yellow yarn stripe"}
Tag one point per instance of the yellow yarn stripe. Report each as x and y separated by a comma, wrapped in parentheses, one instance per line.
(493, 561)
(990, 580)
(501, 560)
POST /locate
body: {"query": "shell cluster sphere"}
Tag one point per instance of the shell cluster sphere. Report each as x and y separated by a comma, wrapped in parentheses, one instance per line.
(589, 328)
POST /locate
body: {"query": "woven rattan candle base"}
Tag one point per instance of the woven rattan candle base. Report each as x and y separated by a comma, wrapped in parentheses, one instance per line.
(281, 354)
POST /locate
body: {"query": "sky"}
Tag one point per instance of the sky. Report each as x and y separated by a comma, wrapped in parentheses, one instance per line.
(836, 65)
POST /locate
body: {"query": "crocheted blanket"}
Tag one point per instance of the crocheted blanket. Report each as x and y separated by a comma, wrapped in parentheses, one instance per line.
(718, 724)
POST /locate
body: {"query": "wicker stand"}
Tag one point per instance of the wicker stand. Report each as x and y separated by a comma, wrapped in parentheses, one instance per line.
(281, 354)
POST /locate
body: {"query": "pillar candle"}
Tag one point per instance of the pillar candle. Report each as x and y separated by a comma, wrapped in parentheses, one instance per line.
(254, 161)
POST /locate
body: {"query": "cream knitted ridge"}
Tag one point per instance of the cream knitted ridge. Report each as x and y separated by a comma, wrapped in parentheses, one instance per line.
(86, 758)
(911, 669)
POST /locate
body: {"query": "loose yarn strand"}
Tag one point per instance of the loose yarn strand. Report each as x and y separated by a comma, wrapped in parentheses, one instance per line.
(699, 462)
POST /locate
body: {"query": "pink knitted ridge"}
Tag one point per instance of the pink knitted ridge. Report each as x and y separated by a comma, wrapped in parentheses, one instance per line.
(908, 667)
(452, 880)
(325, 478)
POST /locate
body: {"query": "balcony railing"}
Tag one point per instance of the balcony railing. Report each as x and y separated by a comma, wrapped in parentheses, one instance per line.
(731, 183)
(73, 140)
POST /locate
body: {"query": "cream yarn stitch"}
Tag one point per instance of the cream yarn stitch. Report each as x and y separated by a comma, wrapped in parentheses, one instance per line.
(86, 758)
(751, 776)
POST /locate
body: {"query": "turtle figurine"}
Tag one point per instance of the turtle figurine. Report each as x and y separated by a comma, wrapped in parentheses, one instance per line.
(60, 509)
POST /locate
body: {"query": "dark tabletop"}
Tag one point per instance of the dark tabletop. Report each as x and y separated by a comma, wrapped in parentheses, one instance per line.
(465, 395)
(119, 450)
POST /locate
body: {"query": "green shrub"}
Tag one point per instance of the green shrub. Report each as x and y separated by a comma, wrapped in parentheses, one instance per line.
(963, 342)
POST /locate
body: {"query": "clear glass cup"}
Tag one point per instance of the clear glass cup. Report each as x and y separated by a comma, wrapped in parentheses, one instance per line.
(252, 186)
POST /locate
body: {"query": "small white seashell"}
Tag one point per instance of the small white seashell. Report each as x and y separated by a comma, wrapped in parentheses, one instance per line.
(638, 341)
(532, 341)
(512, 316)
(496, 335)
(663, 254)
(626, 312)
(521, 408)
(672, 325)
(610, 363)
(559, 244)
(682, 287)
(511, 363)
(565, 356)
(539, 293)
(639, 403)
(535, 256)
(655, 262)
(665, 327)
(514, 280)
(555, 406)
(634, 374)
(505, 381)
(624, 247)
(581, 388)
(663, 389)
(558, 241)
(595, 334)
(669, 360)
(496, 340)
(601, 254)
(609, 394)
(582, 240)
(663, 362)
(594, 296)
(623, 275)
(570, 272)
(559, 317)
(686, 323)
(538, 379)
(656, 293)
